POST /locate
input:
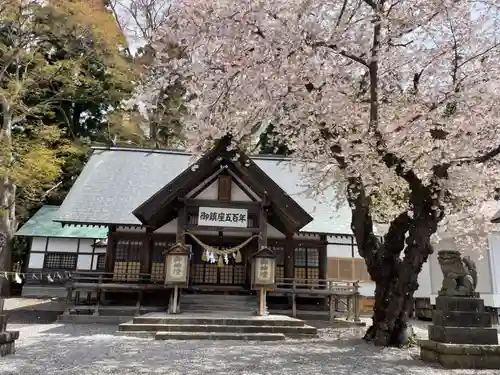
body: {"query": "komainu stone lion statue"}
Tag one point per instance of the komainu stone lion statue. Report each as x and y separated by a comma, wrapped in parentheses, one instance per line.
(459, 274)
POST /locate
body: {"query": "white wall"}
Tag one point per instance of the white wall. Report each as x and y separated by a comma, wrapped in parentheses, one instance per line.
(36, 260)
(211, 192)
(38, 243)
(86, 255)
(487, 264)
(63, 245)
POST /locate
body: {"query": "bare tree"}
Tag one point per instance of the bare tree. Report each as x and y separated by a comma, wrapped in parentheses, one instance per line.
(140, 21)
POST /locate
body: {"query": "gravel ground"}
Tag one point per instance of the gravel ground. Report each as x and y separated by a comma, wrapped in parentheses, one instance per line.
(55, 349)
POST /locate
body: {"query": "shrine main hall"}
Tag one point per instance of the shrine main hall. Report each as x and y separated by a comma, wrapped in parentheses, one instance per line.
(224, 207)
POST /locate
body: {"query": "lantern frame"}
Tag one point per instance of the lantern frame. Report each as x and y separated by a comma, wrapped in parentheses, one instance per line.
(267, 255)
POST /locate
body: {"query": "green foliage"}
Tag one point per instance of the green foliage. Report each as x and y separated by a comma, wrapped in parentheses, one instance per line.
(63, 73)
(73, 72)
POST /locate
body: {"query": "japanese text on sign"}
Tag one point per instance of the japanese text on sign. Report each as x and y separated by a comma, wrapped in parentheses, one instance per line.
(223, 217)
(264, 271)
(177, 268)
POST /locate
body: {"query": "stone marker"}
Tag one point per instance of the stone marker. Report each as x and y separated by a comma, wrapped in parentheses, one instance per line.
(461, 335)
(7, 338)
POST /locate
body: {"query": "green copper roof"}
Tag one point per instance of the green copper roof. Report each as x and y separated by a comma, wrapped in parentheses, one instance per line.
(41, 225)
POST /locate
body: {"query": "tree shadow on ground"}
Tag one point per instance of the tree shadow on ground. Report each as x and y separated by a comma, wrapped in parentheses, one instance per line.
(85, 349)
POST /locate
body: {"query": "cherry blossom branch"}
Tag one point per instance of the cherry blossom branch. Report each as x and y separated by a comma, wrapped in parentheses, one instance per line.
(333, 47)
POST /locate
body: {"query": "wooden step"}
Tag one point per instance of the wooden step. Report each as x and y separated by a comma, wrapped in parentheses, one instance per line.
(219, 336)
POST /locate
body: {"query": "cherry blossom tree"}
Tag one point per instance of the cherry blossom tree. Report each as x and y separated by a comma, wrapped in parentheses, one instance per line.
(393, 101)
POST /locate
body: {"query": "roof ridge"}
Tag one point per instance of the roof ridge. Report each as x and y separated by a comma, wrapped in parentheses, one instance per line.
(180, 152)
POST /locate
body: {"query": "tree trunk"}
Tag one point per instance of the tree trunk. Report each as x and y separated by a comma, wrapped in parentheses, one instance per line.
(7, 199)
(7, 230)
(396, 278)
(394, 292)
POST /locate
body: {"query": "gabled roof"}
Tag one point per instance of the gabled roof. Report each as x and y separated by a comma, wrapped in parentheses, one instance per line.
(41, 225)
(286, 214)
(115, 181)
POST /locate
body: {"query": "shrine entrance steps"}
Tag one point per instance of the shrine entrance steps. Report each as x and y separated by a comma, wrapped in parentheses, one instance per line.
(216, 326)
(231, 304)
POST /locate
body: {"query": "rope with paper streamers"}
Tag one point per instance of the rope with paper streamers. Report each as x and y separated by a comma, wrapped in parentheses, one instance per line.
(221, 253)
(51, 277)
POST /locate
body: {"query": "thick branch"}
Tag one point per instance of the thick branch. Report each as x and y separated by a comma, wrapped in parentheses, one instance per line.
(371, 3)
(333, 47)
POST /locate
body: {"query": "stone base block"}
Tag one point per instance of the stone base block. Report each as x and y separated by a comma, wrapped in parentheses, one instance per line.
(460, 356)
(3, 322)
(7, 348)
(464, 335)
(461, 319)
(7, 342)
(470, 304)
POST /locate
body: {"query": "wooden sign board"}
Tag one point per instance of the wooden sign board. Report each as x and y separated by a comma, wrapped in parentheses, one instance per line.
(263, 269)
(223, 217)
(177, 265)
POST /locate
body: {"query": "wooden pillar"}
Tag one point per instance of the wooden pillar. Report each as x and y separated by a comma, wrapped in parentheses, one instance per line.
(181, 226)
(110, 252)
(147, 248)
(180, 238)
(323, 260)
(263, 225)
(289, 257)
(262, 244)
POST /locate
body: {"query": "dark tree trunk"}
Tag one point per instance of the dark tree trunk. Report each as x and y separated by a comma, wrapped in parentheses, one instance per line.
(7, 229)
(396, 277)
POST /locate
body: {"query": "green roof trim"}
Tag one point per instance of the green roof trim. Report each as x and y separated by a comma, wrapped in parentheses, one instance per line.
(41, 225)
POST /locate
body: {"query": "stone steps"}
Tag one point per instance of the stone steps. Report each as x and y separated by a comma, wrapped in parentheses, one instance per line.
(186, 326)
(292, 331)
(218, 302)
(218, 320)
(219, 336)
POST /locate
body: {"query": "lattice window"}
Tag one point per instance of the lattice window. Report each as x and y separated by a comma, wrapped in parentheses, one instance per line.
(226, 275)
(300, 259)
(197, 273)
(60, 261)
(101, 262)
(279, 251)
(239, 274)
(158, 259)
(349, 269)
(280, 272)
(306, 264)
(127, 264)
(210, 274)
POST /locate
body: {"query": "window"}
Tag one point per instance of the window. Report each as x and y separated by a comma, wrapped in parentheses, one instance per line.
(279, 251)
(348, 269)
(127, 264)
(60, 261)
(101, 262)
(157, 259)
(306, 263)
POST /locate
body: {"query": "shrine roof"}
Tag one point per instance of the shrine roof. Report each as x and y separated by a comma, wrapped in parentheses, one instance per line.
(41, 225)
(116, 180)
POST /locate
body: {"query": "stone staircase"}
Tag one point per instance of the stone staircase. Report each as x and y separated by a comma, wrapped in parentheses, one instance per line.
(227, 303)
(216, 326)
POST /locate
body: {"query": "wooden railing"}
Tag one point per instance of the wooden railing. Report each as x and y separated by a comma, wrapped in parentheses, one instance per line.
(99, 282)
(334, 290)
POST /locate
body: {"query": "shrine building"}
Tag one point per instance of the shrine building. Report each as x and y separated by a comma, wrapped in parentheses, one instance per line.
(150, 199)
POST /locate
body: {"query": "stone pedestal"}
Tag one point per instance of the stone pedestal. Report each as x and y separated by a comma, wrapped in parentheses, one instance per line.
(7, 338)
(461, 335)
